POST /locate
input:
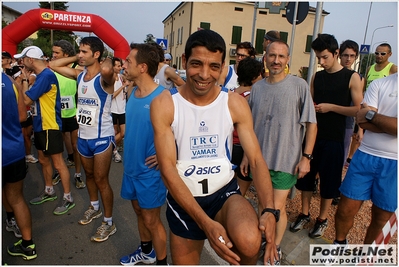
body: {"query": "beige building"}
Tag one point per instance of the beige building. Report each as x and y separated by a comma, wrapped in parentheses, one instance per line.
(8, 15)
(234, 22)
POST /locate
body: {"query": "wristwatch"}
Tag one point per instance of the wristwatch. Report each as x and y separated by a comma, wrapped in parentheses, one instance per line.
(276, 213)
(308, 156)
(370, 115)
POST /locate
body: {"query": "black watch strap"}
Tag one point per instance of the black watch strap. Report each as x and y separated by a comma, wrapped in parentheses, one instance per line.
(276, 213)
(308, 156)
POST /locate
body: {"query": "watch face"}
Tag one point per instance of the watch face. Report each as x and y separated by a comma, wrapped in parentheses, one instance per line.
(370, 115)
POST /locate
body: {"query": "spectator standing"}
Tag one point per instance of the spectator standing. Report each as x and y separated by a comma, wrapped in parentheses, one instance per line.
(372, 173)
(333, 90)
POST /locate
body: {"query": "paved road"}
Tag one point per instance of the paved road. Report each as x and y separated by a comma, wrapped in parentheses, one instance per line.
(60, 240)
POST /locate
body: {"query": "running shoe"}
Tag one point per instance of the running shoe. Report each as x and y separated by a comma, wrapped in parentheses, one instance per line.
(56, 178)
(139, 257)
(276, 262)
(117, 157)
(11, 226)
(103, 232)
(31, 159)
(28, 253)
(79, 184)
(65, 207)
(318, 229)
(69, 163)
(89, 215)
(43, 197)
(299, 223)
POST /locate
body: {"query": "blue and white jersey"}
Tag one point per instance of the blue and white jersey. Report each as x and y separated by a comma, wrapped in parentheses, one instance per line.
(94, 109)
(231, 82)
(203, 136)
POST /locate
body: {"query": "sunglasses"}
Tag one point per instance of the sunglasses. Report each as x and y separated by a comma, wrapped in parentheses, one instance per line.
(380, 53)
(241, 55)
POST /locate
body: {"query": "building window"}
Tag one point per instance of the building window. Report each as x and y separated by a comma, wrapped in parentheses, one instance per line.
(236, 35)
(262, 12)
(205, 25)
(260, 35)
(181, 35)
(284, 36)
(239, 9)
(308, 46)
(178, 36)
(172, 36)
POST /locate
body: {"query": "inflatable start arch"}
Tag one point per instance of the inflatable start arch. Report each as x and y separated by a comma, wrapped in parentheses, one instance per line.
(40, 18)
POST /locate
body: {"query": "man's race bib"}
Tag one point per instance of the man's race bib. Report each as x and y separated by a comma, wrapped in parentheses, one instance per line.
(205, 177)
(33, 109)
(66, 102)
(87, 116)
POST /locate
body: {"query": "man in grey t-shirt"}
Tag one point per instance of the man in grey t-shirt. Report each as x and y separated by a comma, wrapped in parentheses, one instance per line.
(283, 110)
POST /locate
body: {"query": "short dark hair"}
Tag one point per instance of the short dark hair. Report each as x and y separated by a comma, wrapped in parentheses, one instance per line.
(96, 45)
(272, 36)
(66, 47)
(209, 39)
(160, 51)
(386, 45)
(248, 70)
(325, 41)
(248, 46)
(349, 44)
(147, 54)
(115, 59)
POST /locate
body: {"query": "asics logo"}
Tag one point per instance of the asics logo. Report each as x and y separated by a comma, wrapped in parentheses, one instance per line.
(202, 170)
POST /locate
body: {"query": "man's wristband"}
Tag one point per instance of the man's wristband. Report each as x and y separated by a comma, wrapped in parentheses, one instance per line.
(276, 213)
(25, 80)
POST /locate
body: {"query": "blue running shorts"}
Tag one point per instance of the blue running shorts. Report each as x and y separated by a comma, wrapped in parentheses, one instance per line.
(181, 224)
(149, 192)
(90, 147)
(371, 177)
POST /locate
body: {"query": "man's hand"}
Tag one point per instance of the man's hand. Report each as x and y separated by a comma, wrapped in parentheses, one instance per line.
(302, 168)
(267, 225)
(152, 162)
(220, 242)
(361, 114)
(244, 166)
(323, 107)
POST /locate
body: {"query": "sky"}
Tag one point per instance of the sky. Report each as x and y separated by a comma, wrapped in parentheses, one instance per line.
(347, 20)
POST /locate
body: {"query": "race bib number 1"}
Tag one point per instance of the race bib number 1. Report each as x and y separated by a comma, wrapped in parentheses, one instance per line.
(86, 116)
(66, 103)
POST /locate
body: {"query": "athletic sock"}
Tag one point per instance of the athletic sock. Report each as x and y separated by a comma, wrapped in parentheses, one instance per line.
(26, 243)
(68, 196)
(343, 242)
(162, 262)
(70, 157)
(146, 247)
(108, 220)
(10, 215)
(49, 190)
(95, 204)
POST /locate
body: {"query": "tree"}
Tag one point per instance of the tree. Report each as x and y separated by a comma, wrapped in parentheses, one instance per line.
(150, 39)
(370, 59)
(44, 35)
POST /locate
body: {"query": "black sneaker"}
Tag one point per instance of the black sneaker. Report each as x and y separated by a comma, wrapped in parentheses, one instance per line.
(318, 229)
(28, 253)
(56, 178)
(299, 223)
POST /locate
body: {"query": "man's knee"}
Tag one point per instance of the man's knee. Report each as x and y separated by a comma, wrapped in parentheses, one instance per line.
(248, 243)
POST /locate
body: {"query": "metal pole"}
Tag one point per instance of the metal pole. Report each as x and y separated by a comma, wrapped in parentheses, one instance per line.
(254, 23)
(365, 33)
(293, 31)
(51, 31)
(316, 29)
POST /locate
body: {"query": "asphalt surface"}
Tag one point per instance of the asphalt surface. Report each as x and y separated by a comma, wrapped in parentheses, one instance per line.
(60, 240)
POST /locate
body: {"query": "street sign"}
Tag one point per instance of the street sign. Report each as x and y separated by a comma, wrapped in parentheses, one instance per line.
(163, 43)
(303, 10)
(364, 49)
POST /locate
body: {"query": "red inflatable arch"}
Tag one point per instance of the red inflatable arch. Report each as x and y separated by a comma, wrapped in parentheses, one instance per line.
(39, 18)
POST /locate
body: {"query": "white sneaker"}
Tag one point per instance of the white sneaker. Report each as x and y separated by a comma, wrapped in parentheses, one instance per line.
(117, 157)
(31, 159)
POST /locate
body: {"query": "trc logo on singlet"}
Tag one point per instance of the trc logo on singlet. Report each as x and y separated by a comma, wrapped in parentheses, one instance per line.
(202, 170)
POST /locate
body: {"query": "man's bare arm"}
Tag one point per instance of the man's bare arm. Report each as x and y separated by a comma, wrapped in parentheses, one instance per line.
(108, 76)
(223, 75)
(172, 75)
(62, 66)
(379, 124)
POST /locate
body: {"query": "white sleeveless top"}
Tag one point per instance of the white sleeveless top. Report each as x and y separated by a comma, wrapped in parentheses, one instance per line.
(118, 104)
(231, 82)
(94, 109)
(160, 78)
(203, 136)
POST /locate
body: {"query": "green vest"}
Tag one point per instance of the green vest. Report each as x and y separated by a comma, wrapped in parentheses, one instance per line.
(374, 75)
(68, 90)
